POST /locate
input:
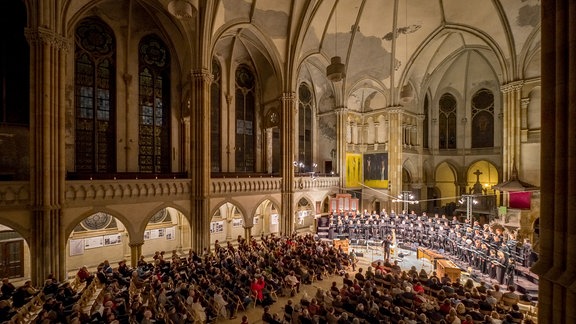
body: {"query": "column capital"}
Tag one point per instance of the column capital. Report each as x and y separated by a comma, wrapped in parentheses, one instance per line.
(43, 35)
(524, 102)
(135, 244)
(341, 110)
(201, 74)
(287, 96)
(512, 86)
(416, 185)
(395, 109)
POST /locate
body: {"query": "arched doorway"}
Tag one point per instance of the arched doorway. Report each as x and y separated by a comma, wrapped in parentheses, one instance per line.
(97, 237)
(226, 223)
(266, 219)
(167, 230)
(446, 183)
(14, 254)
(446, 188)
(304, 215)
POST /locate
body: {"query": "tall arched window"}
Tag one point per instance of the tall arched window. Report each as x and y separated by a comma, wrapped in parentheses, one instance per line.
(483, 119)
(14, 93)
(447, 122)
(14, 66)
(215, 117)
(245, 120)
(305, 126)
(154, 102)
(95, 91)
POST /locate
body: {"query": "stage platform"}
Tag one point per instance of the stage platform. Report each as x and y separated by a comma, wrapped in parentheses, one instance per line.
(407, 256)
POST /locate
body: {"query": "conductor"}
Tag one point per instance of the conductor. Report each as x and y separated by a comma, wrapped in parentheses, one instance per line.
(387, 243)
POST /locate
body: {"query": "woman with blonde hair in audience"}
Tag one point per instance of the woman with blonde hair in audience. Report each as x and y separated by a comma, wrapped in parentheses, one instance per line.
(495, 318)
(452, 317)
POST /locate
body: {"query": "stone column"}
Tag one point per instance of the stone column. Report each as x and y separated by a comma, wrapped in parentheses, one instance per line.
(524, 122)
(199, 163)
(287, 138)
(511, 126)
(135, 253)
(248, 232)
(341, 141)
(557, 262)
(48, 51)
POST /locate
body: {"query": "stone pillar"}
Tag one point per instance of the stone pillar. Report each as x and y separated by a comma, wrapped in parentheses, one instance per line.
(524, 122)
(135, 253)
(248, 232)
(199, 163)
(557, 262)
(287, 138)
(395, 135)
(47, 152)
(341, 141)
(511, 126)
(228, 224)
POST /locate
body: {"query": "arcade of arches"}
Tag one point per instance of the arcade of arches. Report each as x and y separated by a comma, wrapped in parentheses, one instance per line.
(128, 127)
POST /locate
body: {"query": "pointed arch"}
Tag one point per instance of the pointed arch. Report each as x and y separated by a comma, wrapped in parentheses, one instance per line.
(216, 117)
(95, 93)
(447, 132)
(154, 142)
(446, 177)
(305, 125)
(245, 114)
(482, 112)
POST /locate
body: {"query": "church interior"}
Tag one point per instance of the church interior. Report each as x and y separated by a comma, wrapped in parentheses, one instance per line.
(136, 126)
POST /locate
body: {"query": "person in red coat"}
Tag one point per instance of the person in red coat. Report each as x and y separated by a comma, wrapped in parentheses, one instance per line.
(257, 286)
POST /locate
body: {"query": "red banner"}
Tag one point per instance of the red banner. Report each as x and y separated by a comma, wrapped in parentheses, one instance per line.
(520, 200)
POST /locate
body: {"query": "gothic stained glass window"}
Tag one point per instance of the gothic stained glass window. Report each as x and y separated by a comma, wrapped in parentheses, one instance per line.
(94, 91)
(305, 126)
(447, 122)
(215, 117)
(14, 67)
(154, 94)
(245, 120)
(483, 119)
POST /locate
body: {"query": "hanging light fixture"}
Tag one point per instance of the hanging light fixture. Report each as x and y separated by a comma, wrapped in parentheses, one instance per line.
(183, 9)
(336, 70)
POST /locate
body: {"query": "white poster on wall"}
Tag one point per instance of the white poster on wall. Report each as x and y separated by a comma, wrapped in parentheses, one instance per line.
(76, 247)
(301, 215)
(255, 221)
(274, 219)
(237, 222)
(94, 242)
(217, 227)
(112, 239)
(171, 233)
(154, 234)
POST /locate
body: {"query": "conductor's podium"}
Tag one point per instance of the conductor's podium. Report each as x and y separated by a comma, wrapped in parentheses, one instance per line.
(448, 267)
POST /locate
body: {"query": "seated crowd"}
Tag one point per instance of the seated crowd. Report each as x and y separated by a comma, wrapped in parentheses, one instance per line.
(386, 295)
(203, 287)
(184, 288)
